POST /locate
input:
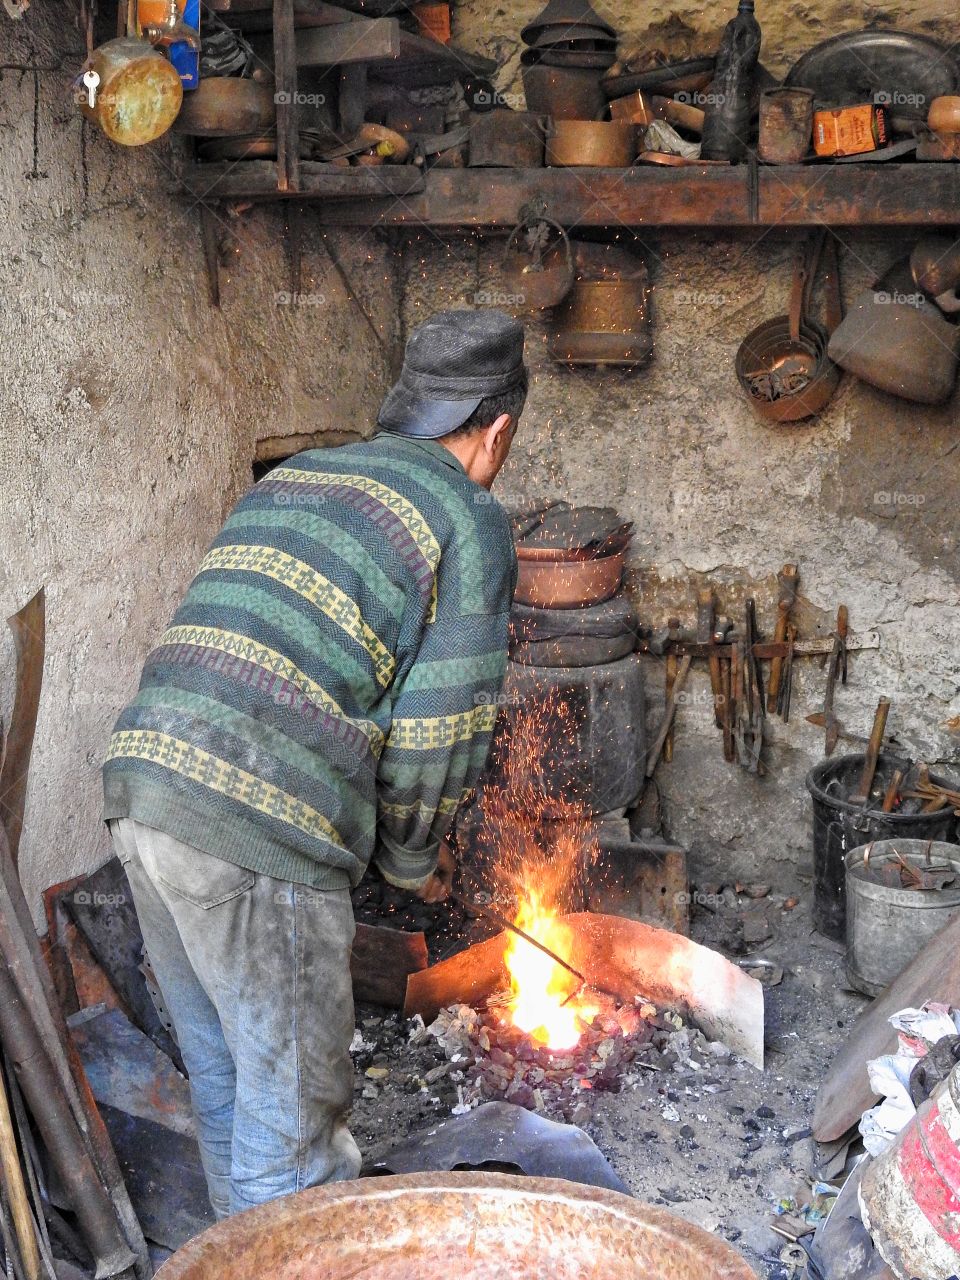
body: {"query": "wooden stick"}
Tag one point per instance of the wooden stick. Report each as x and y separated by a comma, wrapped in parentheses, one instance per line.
(16, 1191)
(671, 710)
(482, 909)
(872, 753)
(890, 797)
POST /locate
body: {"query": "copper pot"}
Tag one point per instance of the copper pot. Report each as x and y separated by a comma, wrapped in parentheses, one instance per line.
(542, 277)
(506, 140)
(552, 583)
(604, 322)
(609, 144)
(224, 106)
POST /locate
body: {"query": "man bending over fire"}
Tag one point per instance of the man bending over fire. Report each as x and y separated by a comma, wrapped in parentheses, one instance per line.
(321, 698)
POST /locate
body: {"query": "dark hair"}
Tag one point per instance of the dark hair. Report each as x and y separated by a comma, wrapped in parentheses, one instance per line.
(491, 407)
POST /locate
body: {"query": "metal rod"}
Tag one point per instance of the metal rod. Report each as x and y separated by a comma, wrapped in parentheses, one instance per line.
(504, 923)
(12, 1174)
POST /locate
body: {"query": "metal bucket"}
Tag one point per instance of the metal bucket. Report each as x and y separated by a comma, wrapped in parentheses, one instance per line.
(480, 1226)
(910, 1196)
(507, 140)
(888, 926)
(839, 826)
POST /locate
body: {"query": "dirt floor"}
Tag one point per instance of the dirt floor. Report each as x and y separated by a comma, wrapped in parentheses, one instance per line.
(718, 1142)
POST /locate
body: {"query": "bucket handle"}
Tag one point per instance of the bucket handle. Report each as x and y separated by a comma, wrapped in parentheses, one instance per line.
(529, 218)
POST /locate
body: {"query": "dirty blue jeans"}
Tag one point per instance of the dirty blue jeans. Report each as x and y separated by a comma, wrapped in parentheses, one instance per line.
(255, 973)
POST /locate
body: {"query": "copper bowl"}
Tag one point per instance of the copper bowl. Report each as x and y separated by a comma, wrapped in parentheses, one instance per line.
(547, 581)
(424, 1226)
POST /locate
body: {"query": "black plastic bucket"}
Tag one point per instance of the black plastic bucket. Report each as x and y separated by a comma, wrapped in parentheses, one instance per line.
(839, 827)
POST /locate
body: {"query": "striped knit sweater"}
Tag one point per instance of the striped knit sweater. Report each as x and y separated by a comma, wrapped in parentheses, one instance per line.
(326, 692)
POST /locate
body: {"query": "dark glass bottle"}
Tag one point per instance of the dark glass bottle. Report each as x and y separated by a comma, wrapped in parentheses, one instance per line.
(726, 127)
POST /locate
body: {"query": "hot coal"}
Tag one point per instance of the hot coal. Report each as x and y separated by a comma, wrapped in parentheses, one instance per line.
(498, 1062)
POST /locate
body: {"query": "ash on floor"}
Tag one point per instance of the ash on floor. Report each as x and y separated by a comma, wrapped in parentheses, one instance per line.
(717, 1142)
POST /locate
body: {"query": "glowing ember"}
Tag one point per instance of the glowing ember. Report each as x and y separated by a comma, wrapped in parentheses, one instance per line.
(545, 999)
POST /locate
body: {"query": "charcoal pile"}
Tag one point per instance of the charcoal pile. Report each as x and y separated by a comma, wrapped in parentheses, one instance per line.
(377, 903)
(499, 1062)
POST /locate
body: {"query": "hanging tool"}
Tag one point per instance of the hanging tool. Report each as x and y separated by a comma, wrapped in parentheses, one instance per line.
(706, 614)
(785, 692)
(837, 669)
(862, 795)
(750, 695)
(788, 578)
(653, 755)
(722, 626)
(671, 665)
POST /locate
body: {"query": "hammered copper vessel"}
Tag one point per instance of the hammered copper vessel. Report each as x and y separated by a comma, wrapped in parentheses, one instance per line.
(478, 1226)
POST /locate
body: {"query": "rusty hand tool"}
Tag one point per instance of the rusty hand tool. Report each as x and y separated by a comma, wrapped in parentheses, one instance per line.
(671, 666)
(753, 699)
(785, 691)
(753, 638)
(721, 627)
(788, 578)
(706, 611)
(872, 753)
(837, 668)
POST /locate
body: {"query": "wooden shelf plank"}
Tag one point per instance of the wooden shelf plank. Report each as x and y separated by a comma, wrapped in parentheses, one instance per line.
(330, 46)
(699, 196)
(257, 180)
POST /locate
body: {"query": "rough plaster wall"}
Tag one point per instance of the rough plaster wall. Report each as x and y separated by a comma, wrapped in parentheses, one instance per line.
(865, 498)
(721, 499)
(683, 29)
(131, 408)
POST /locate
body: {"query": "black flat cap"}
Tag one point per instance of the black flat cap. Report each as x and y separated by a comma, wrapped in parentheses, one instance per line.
(451, 362)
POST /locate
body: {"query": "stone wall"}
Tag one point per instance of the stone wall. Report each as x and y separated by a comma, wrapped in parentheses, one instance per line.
(132, 411)
(864, 497)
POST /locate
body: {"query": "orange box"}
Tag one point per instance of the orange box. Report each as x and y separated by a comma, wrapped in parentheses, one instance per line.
(849, 131)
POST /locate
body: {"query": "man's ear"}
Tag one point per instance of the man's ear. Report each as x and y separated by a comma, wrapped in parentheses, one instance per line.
(497, 435)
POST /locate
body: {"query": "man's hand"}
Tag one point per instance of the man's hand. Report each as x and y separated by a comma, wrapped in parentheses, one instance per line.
(437, 888)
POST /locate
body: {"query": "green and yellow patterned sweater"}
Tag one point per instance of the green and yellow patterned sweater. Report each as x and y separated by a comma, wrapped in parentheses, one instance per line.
(326, 692)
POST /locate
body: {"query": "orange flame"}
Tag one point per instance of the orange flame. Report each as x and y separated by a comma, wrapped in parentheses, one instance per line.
(546, 1002)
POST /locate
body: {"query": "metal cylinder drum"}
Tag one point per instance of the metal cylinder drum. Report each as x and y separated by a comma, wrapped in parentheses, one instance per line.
(887, 926)
(839, 826)
(910, 1196)
(786, 124)
(593, 754)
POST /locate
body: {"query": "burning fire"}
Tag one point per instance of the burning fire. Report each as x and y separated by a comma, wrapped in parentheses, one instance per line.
(546, 1001)
(539, 844)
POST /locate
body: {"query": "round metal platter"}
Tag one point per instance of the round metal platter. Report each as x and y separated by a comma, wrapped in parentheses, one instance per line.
(897, 69)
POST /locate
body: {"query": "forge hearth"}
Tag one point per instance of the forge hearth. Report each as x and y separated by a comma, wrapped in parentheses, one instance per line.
(496, 1061)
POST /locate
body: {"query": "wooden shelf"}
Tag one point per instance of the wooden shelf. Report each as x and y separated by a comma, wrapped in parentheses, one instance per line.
(862, 195)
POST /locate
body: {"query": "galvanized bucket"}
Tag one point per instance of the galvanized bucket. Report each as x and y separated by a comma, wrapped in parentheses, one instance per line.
(887, 926)
(910, 1196)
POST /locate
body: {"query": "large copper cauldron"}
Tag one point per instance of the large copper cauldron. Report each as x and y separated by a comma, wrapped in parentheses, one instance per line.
(475, 1226)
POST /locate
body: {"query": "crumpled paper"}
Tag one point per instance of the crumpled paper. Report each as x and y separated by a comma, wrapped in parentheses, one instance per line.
(661, 136)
